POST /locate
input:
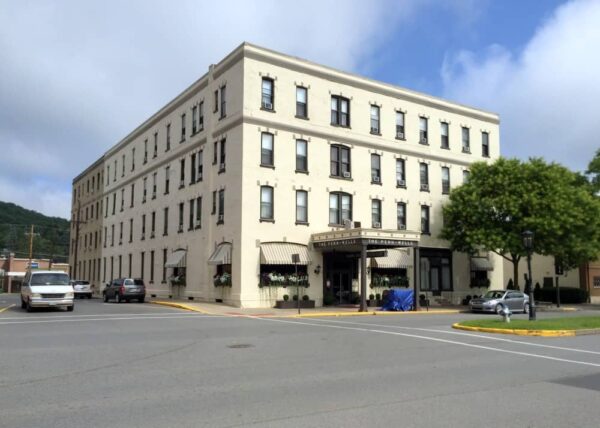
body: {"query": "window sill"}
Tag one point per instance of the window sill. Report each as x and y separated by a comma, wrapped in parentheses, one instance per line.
(373, 227)
(377, 183)
(267, 166)
(445, 193)
(401, 187)
(192, 183)
(166, 193)
(182, 141)
(375, 133)
(424, 190)
(466, 151)
(401, 139)
(341, 126)
(423, 144)
(190, 229)
(485, 156)
(163, 282)
(300, 171)
(302, 117)
(180, 231)
(337, 177)
(335, 225)
(221, 171)
(426, 233)
(222, 117)
(302, 223)
(445, 148)
(165, 234)
(198, 227)
(270, 110)
(220, 222)
(181, 186)
(267, 220)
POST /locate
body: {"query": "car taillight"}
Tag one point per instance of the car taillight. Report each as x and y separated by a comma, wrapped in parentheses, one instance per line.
(122, 289)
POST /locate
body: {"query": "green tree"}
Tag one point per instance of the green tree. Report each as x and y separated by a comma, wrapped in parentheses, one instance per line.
(503, 199)
(593, 173)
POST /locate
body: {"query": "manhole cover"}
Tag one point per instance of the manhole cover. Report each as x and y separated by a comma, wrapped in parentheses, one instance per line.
(240, 346)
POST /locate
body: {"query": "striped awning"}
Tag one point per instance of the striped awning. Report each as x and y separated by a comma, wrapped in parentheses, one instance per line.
(280, 253)
(176, 259)
(221, 255)
(481, 263)
(395, 259)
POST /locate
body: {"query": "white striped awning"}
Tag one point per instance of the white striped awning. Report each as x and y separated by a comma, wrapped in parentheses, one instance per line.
(481, 263)
(176, 259)
(221, 255)
(280, 253)
(395, 259)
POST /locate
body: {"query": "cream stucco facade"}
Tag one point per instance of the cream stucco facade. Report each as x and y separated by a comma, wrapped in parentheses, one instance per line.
(224, 164)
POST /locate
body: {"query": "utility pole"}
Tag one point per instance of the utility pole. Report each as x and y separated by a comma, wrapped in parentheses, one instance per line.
(31, 236)
(77, 224)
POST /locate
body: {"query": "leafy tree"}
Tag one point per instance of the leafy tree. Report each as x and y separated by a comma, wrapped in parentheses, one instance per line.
(593, 173)
(503, 199)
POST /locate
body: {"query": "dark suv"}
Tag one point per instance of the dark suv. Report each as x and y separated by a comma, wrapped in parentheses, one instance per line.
(125, 289)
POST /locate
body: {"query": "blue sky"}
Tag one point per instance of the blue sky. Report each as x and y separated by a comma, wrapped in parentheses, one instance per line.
(75, 77)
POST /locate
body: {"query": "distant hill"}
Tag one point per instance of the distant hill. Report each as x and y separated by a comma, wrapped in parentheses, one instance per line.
(52, 233)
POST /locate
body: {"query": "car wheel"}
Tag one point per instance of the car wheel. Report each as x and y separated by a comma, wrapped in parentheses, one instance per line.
(29, 307)
(141, 300)
(105, 297)
(117, 298)
(499, 308)
(90, 296)
(70, 308)
(526, 308)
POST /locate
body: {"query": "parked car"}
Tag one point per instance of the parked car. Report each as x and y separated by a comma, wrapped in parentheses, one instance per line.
(46, 289)
(496, 300)
(125, 289)
(81, 288)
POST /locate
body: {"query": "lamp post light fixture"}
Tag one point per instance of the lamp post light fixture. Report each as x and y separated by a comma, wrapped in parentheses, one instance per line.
(528, 244)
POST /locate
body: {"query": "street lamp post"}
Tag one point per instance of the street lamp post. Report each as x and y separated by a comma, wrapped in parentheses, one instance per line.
(528, 244)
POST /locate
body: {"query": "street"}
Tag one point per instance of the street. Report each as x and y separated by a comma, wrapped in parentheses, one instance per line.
(143, 365)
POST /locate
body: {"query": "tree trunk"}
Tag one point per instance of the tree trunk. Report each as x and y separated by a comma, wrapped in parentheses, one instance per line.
(515, 262)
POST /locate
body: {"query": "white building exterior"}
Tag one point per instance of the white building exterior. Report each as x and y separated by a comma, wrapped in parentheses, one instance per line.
(267, 155)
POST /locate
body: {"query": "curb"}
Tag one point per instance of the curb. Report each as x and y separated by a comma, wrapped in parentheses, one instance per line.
(181, 306)
(521, 332)
(371, 313)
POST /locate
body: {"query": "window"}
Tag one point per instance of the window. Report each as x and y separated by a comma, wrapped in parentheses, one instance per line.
(301, 102)
(145, 151)
(164, 269)
(155, 151)
(223, 103)
(301, 206)
(107, 175)
(423, 125)
(152, 224)
(465, 175)
(152, 266)
(180, 227)
(122, 170)
(114, 203)
(221, 206)
(115, 175)
(375, 129)
(424, 219)
(165, 221)
(201, 116)
(400, 173)
(401, 215)
(167, 174)
(182, 173)
(130, 230)
(112, 235)
(105, 236)
(215, 152)
(376, 213)
(199, 212)
(120, 264)
(375, 169)
(266, 149)
(214, 202)
(200, 165)
(143, 226)
(129, 265)
(193, 169)
(466, 140)
(267, 99)
(194, 118)
(340, 208)
(301, 156)
(266, 203)
(142, 260)
(122, 200)
(400, 125)
(340, 161)
(182, 127)
(340, 111)
(191, 214)
(145, 190)
(216, 103)
(485, 144)
(445, 138)
(445, 180)
(133, 159)
(424, 176)
(154, 185)
(168, 145)
(222, 159)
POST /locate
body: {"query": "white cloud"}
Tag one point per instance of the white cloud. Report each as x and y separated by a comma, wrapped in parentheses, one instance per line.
(75, 77)
(546, 95)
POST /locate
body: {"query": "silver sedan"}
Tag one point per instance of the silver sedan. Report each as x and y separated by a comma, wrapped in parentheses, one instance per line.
(496, 300)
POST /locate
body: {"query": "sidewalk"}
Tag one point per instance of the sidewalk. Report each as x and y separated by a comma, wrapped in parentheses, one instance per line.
(225, 310)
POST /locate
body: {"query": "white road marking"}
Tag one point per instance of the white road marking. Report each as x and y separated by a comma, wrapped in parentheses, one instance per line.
(433, 339)
(97, 315)
(481, 336)
(117, 318)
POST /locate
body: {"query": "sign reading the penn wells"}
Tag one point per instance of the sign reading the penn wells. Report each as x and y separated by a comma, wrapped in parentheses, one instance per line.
(366, 241)
(336, 243)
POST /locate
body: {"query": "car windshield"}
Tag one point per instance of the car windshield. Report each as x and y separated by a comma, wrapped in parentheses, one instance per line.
(50, 279)
(495, 294)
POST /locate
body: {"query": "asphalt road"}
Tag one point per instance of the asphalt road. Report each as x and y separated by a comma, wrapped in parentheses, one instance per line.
(141, 365)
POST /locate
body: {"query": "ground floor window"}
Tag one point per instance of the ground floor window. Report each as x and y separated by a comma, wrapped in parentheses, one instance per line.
(283, 275)
(435, 270)
(223, 276)
(388, 277)
(479, 279)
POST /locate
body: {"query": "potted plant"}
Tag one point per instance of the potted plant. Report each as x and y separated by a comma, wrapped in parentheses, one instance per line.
(372, 301)
(286, 303)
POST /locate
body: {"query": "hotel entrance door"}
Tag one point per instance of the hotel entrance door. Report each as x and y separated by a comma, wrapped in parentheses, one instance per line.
(339, 272)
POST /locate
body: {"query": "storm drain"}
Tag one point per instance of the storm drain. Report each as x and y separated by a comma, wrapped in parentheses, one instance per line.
(240, 346)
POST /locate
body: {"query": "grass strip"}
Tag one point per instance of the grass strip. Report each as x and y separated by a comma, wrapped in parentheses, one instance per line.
(567, 323)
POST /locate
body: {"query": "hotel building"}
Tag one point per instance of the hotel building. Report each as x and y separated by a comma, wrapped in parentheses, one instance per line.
(267, 156)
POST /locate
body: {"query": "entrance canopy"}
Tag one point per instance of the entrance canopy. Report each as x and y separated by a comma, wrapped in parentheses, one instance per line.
(352, 240)
(221, 255)
(176, 259)
(481, 264)
(280, 253)
(395, 259)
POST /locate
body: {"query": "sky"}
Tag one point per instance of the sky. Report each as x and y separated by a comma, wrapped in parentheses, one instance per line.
(77, 76)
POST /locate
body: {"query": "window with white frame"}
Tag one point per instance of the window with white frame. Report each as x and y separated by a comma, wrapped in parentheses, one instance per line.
(376, 213)
(301, 206)
(266, 203)
(340, 208)
(266, 149)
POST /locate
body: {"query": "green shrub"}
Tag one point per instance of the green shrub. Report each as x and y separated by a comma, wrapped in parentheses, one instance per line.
(305, 298)
(371, 297)
(378, 296)
(295, 297)
(567, 295)
(286, 297)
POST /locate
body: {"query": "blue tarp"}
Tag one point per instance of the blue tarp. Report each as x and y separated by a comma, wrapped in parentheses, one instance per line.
(398, 300)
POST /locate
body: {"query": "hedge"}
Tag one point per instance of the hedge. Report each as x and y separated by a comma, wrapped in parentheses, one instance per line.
(567, 295)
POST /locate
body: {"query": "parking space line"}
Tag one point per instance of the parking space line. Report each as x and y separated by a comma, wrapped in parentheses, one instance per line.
(433, 339)
(480, 336)
(6, 308)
